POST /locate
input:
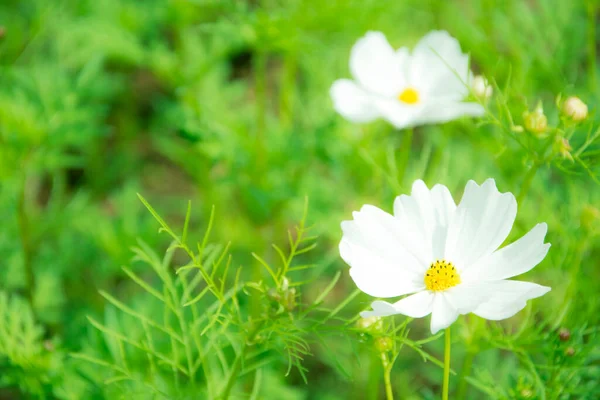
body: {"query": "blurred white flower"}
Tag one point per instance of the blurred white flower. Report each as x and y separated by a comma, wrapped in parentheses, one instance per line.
(425, 86)
(481, 88)
(444, 255)
(576, 109)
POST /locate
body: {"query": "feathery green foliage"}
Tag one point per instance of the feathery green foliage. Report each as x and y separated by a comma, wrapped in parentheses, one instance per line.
(224, 106)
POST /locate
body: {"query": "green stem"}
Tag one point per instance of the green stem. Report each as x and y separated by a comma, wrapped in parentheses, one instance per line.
(592, 9)
(527, 182)
(466, 369)
(387, 369)
(404, 154)
(260, 91)
(286, 94)
(26, 242)
(446, 365)
(436, 158)
(237, 363)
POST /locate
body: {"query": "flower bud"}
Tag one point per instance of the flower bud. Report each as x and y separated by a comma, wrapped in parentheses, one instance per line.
(49, 345)
(526, 393)
(570, 352)
(535, 121)
(564, 334)
(481, 88)
(274, 295)
(384, 344)
(372, 325)
(289, 299)
(563, 148)
(575, 109)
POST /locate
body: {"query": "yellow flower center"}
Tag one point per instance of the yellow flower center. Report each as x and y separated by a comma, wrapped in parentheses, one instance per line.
(441, 275)
(409, 96)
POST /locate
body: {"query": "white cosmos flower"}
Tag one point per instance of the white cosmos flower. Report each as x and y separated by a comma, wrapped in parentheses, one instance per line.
(445, 256)
(425, 86)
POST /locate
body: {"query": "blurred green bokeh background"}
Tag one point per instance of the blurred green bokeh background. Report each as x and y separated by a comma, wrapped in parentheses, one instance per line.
(226, 103)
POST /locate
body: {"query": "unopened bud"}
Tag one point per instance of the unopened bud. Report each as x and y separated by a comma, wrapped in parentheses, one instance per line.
(384, 344)
(517, 128)
(570, 352)
(285, 284)
(563, 148)
(535, 121)
(527, 393)
(575, 109)
(274, 295)
(49, 345)
(370, 324)
(289, 299)
(481, 88)
(564, 334)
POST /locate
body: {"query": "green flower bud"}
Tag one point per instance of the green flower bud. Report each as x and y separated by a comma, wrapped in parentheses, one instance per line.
(372, 325)
(274, 295)
(526, 393)
(570, 352)
(563, 148)
(289, 299)
(535, 121)
(384, 344)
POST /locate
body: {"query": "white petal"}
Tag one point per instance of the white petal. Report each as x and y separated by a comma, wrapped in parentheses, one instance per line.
(512, 260)
(443, 208)
(440, 112)
(403, 59)
(440, 67)
(383, 232)
(397, 113)
(374, 63)
(482, 221)
(425, 215)
(466, 297)
(380, 309)
(352, 102)
(416, 306)
(381, 266)
(508, 298)
(443, 313)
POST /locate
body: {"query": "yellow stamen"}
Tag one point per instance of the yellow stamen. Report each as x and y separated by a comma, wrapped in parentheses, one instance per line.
(441, 275)
(409, 96)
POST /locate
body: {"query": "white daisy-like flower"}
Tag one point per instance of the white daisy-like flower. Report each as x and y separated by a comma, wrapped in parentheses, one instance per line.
(425, 86)
(445, 256)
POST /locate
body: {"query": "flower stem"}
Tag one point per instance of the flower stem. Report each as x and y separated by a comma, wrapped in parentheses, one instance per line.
(405, 146)
(26, 244)
(527, 182)
(260, 91)
(387, 369)
(287, 89)
(239, 359)
(446, 365)
(592, 10)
